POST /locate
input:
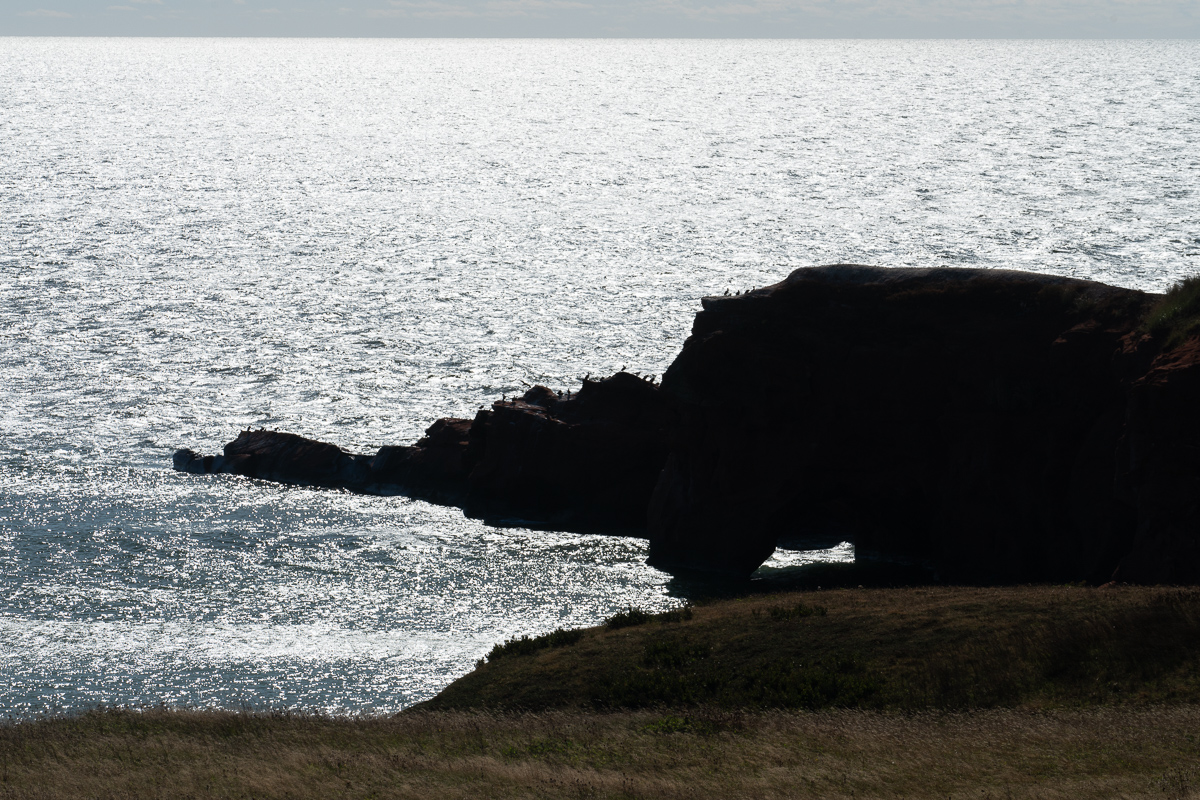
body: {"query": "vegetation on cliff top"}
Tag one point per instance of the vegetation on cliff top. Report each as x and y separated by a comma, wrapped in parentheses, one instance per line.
(900, 649)
(1177, 316)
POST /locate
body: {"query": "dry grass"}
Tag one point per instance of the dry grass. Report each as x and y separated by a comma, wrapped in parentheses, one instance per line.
(1104, 753)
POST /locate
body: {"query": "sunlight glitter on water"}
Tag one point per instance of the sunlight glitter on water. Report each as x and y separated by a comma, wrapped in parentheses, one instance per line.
(350, 239)
(782, 560)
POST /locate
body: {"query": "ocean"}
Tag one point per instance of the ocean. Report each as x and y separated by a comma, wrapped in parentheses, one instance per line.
(347, 239)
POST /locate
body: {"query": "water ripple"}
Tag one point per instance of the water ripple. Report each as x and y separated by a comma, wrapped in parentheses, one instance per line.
(349, 239)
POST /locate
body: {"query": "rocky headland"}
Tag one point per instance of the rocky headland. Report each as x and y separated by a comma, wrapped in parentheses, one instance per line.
(996, 426)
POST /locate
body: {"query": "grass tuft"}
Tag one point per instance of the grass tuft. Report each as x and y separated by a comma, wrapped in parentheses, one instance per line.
(628, 618)
(798, 610)
(1176, 317)
(673, 653)
(676, 615)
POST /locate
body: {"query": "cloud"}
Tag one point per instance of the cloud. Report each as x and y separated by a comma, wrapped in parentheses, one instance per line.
(849, 12)
(428, 9)
(671, 17)
(535, 8)
(425, 9)
(435, 9)
(701, 11)
(870, 13)
(730, 10)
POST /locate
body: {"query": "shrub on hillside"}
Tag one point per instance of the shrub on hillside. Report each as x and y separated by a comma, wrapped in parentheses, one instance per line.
(628, 618)
(525, 646)
(676, 615)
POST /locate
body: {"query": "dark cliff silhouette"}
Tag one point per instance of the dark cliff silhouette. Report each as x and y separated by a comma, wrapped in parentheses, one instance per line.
(997, 426)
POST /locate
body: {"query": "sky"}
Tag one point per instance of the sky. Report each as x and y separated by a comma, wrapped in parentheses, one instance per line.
(607, 18)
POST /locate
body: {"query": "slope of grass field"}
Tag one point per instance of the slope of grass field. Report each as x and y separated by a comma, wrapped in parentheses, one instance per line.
(899, 649)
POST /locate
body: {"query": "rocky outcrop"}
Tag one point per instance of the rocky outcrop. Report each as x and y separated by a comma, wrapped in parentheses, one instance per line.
(965, 419)
(994, 426)
(584, 461)
(433, 468)
(581, 461)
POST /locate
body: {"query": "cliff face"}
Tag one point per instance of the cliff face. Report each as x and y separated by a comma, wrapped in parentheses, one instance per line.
(1159, 470)
(968, 419)
(996, 426)
(586, 461)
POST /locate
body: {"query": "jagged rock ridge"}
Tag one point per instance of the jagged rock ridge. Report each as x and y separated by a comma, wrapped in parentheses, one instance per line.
(583, 461)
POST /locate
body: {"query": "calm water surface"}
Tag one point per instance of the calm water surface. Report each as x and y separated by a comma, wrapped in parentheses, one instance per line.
(349, 239)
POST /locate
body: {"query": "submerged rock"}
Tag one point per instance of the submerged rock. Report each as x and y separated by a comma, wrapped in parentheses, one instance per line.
(994, 425)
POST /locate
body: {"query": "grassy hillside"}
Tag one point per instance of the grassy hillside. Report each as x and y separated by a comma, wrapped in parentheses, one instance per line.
(899, 649)
(1102, 753)
(1029, 692)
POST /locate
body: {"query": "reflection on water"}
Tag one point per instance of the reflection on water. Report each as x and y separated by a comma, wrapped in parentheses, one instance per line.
(791, 560)
(349, 239)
